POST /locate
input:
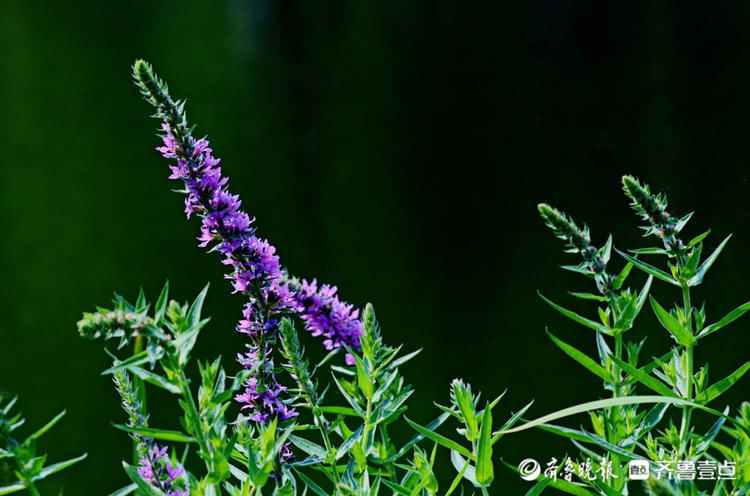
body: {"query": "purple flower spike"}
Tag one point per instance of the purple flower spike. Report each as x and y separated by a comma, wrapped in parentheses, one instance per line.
(255, 270)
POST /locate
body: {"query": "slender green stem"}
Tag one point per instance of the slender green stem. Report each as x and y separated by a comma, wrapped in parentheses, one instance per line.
(32, 489)
(687, 411)
(196, 425)
(140, 387)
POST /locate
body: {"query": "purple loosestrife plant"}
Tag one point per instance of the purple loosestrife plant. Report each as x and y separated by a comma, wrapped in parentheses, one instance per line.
(295, 436)
(256, 271)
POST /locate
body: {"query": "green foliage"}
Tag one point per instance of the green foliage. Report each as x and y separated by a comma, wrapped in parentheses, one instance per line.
(29, 466)
(621, 430)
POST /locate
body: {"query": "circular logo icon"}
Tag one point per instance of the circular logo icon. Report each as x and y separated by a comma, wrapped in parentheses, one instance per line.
(529, 469)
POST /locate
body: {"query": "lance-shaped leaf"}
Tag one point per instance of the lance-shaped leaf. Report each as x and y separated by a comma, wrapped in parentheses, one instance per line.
(589, 363)
(577, 318)
(439, 438)
(12, 488)
(347, 445)
(649, 269)
(49, 425)
(726, 320)
(59, 467)
(511, 421)
(698, 277)
(624, 400)
(723, 385)
(672, 325)
(698, 239)
(485, 472)
(308, 446)
(644, 378)
(162, 434)
(414, 440)
(161, 305)
(624, 273)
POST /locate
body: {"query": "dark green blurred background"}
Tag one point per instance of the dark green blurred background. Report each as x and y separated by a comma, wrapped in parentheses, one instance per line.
(396, 149)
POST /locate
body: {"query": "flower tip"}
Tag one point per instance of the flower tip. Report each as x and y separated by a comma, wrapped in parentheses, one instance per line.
(630, 183)
(141, 68)
(544, 210)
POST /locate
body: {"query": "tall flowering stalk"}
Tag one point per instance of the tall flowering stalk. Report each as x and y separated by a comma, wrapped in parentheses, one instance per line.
(255, 268)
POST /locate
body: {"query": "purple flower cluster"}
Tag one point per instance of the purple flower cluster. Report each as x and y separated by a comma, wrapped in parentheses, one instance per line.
(256, 271)
(255, 268)
(264, 403)
(327, 316)
(156, 468)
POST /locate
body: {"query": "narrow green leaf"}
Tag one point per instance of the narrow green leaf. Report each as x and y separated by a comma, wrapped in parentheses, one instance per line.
(163, 434)
(610, 402)
(439, 438)
(577, 318)
(13, 488)
(698, 277)
(416, 439)
(539, 487)
(624, 273)
(726, 320)
(698, 239)
(308, 446)
(137, 359)
(649, 269)
(161, 304)
(645, 379)
(485, 473)
(349, 443)
(58, 467)
(48, 426)
(672, 325)
(580, 357)
(194, 314)
(310, 484)
(587, 296)
(155, 379)
(340, 410)
(723, 385)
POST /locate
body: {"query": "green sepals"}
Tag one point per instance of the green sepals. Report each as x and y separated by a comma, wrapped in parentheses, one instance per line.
(465, 403)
